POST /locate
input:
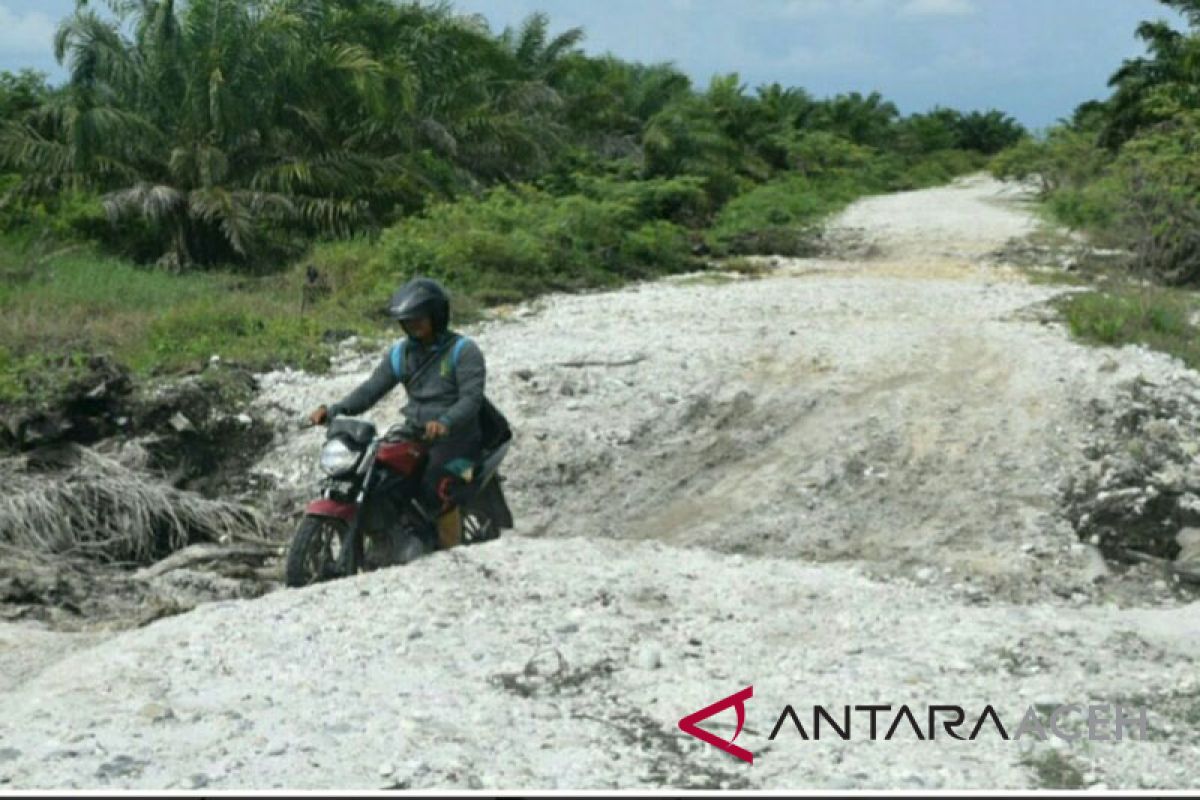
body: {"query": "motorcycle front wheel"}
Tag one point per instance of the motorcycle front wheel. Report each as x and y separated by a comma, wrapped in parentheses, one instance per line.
(316, 551)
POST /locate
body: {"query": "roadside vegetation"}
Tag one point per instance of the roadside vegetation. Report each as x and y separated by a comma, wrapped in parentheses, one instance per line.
(1125, 171)
(1159, 318)
(258, 199)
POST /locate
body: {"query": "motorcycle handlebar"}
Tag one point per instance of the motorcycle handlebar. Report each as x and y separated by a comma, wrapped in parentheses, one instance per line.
(406, 430)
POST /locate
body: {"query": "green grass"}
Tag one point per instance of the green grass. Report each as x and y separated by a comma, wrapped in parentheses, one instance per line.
(1053, 770)
(83, 303)
(507, 245)
(1158, 318)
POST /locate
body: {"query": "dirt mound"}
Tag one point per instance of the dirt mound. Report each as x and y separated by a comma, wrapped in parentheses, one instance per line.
(567, 664)
(92, 405)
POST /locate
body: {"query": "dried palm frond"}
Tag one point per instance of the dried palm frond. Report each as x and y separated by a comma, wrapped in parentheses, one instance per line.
(101, 508)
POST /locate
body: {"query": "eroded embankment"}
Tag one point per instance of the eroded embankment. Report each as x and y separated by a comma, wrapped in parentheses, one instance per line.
(114, 474)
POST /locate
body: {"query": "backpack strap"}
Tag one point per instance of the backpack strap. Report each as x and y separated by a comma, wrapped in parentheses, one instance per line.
(398, 359)
(457, 351)
(429, 361)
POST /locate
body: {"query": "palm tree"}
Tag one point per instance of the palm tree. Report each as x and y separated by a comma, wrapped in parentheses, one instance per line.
(21, 91)
(988, 132)
(1159, 86)
(782, 114)
(235, 126)
(701, 135)
(863, 120)
(537, 56)
(209, 123)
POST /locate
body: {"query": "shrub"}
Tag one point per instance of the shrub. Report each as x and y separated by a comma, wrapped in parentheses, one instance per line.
(937, 168)
(1094, 207)
(1147, 198)
(1158, 174)
(779, 217)
(517, 242)
(681, 200)
(1024, 160)
(820, 154)
(658, 247)
(1066, 158)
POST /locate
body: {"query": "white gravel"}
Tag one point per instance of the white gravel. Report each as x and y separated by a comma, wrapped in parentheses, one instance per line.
(424, 670)
(907, 416)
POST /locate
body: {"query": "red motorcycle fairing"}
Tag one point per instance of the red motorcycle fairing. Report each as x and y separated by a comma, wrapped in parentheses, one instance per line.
(328, 507)
(403, 458)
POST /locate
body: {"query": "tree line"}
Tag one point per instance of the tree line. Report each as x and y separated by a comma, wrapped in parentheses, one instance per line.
(1126, 169)
(240, 132)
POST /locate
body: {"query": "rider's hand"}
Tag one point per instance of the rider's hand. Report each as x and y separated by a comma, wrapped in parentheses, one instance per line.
(320, 416)
(435, 430)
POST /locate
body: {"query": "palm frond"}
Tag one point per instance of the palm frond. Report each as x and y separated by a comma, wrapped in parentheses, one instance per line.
(154, 202)
(104, 508)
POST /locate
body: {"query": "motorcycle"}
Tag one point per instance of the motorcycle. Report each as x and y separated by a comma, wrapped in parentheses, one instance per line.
(369, 514)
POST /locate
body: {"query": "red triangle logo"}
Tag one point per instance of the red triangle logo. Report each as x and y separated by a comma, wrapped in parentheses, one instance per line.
(738, 700)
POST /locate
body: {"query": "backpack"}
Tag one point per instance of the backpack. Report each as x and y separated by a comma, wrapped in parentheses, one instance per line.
(492, 423)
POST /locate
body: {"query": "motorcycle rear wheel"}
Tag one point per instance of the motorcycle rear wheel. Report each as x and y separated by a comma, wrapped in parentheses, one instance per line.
(316, 551)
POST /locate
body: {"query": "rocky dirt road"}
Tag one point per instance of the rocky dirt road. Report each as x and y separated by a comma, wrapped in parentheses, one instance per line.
(843, 482)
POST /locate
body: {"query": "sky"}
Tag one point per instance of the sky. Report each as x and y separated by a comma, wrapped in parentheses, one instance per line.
(1033, 59)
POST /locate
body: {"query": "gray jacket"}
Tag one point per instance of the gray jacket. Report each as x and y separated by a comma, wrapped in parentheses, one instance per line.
(449, 390)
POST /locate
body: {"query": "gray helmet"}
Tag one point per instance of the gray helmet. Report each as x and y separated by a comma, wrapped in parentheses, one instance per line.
(421, 297)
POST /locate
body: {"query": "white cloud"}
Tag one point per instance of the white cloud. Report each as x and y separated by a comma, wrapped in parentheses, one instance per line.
(964, 59)
(25, 33)
(774, 11)
(817, 58)
(800, 9)
(937, 7)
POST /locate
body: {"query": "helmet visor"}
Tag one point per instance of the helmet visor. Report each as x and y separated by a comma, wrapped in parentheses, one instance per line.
(410, 307)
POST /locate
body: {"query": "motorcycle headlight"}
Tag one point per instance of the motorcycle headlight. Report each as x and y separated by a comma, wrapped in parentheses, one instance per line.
(337, 458)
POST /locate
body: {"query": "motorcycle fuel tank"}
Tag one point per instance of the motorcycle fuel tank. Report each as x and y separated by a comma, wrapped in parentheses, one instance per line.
(402, 458)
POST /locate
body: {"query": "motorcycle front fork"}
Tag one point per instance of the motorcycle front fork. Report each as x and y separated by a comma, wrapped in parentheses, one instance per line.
(383, 509)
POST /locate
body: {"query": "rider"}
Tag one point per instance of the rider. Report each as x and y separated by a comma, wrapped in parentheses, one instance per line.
(443, 397)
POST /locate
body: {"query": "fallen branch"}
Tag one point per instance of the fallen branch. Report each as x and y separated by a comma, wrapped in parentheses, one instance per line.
(195, 554)
(585, 363)
(1186, 573)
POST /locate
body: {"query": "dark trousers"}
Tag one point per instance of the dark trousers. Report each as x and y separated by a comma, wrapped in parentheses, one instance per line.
(438, 487)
